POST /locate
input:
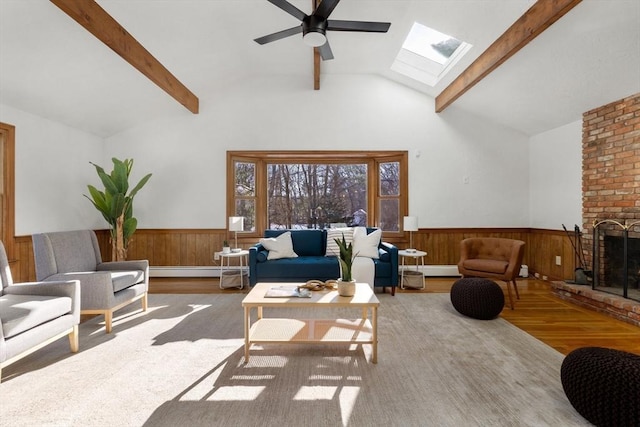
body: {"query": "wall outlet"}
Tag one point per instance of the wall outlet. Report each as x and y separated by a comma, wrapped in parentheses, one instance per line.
(216, 256)
(537, 275)
(558, 260)
(544, 277)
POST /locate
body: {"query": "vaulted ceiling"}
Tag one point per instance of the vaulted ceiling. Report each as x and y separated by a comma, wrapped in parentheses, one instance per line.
(52, 67)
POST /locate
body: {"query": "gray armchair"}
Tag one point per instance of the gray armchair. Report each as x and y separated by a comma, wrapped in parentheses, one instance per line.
(105, 286)
(33, 315)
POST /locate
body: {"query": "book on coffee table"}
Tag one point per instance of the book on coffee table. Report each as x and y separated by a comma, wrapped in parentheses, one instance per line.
(287, 292)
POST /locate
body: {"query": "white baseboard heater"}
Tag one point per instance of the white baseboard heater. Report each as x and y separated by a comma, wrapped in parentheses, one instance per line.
(214, 271)
(178, 271)
(435, 270)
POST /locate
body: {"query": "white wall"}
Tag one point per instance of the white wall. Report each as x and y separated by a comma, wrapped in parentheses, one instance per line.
(52, 171)
(555, 159)
(187, 156)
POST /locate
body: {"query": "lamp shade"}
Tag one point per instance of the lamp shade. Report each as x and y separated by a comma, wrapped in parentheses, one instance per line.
(410, 223)
(236, 223)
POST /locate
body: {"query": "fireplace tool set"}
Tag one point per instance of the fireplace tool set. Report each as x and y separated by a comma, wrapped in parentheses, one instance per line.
(582, 276)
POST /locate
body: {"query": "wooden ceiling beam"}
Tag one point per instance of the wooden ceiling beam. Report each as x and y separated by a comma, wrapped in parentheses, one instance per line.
(316, 55)
(316, 68)
(531, 24)
(102, 25)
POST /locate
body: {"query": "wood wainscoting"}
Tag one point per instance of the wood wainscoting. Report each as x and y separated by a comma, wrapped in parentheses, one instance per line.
(196, 248)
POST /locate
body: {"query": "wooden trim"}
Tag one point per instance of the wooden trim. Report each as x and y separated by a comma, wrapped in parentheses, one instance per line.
(196, 247)
(531, 24)
(8, 170)
(294, 156)
(98, 22)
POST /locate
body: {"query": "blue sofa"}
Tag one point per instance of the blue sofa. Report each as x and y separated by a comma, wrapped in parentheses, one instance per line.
(311, 263)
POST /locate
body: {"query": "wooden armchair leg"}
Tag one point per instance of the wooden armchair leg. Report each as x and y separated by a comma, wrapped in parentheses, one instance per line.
(108, 320)
(515, 286)
(510, 295)
(144, 302)
(73, 340)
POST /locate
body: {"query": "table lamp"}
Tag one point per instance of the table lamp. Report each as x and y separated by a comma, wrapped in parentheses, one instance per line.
(410, 224)
(236, 223)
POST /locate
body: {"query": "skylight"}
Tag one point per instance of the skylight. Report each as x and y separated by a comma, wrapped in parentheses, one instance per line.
(427, 55)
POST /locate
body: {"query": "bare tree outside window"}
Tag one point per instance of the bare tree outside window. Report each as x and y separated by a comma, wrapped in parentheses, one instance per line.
(389, 175)
(245, 193)
(316, 195)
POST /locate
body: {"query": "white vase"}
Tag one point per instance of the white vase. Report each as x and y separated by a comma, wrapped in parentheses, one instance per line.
(226, 249)
(346, 288)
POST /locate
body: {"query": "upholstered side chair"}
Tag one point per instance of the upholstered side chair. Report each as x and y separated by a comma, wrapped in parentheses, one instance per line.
(105, 286)
(33, 315)
(492, 258)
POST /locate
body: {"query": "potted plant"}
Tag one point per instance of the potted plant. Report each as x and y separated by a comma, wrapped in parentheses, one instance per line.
(116, 206)
(225, 247)
(346, 284)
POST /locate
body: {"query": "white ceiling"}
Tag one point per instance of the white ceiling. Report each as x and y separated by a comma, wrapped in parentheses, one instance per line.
(52, 67)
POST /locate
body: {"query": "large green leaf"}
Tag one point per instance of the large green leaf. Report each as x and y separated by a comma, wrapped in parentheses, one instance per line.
(109, 186)
(128, 212)
(129, 164)
(120, 176)
(98, 199)
(98, 168)
(117, 205)
(129, 227)
(140, 184)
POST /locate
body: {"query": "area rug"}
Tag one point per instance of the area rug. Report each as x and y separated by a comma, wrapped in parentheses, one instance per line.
(181, 364)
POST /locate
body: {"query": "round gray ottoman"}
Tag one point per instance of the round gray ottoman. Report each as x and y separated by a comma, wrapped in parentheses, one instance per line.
(479, 298)
(603, 385)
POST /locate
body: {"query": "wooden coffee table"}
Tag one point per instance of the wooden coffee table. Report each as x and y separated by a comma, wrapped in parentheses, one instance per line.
(363, 330)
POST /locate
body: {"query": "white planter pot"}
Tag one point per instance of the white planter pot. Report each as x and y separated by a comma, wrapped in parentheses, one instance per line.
(346, 289)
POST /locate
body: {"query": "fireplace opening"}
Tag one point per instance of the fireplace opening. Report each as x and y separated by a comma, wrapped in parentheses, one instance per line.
(612, 268)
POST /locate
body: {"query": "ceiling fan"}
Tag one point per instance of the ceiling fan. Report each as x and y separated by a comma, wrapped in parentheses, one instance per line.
(315, 26)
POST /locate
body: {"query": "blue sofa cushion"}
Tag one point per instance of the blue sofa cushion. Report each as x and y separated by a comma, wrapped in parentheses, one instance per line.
(305, 242)
(310, 267)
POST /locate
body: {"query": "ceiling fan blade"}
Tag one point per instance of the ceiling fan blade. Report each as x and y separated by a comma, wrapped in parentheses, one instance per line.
(289, 8)
(325, 51)
(325, 8)
(369, 27)
(279, 35)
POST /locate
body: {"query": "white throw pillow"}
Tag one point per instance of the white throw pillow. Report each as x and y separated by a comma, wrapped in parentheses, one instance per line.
(279, 247)
(366, 245)
(336, 233)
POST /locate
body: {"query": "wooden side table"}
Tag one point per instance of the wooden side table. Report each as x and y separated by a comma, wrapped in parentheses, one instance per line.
(234, 273)
(416, 256)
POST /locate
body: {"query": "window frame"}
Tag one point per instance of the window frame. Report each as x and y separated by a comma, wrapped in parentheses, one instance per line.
(372, 158)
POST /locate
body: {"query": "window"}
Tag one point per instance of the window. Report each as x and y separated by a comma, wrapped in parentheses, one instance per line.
(427, 55)
(317, 189)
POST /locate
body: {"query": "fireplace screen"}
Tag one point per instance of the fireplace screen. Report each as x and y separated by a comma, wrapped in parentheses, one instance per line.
(616, 258)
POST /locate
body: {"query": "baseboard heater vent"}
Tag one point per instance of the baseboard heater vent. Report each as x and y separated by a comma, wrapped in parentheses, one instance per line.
(178, 271)
(214, 271)
(436, 270)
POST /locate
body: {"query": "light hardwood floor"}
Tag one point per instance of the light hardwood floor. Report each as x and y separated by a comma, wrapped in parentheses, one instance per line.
(559, 324)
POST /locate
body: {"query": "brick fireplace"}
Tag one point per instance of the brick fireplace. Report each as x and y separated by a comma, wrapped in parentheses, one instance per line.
(610, 190)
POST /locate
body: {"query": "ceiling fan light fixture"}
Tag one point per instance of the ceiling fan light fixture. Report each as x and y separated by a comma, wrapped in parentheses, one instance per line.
(314, 38)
